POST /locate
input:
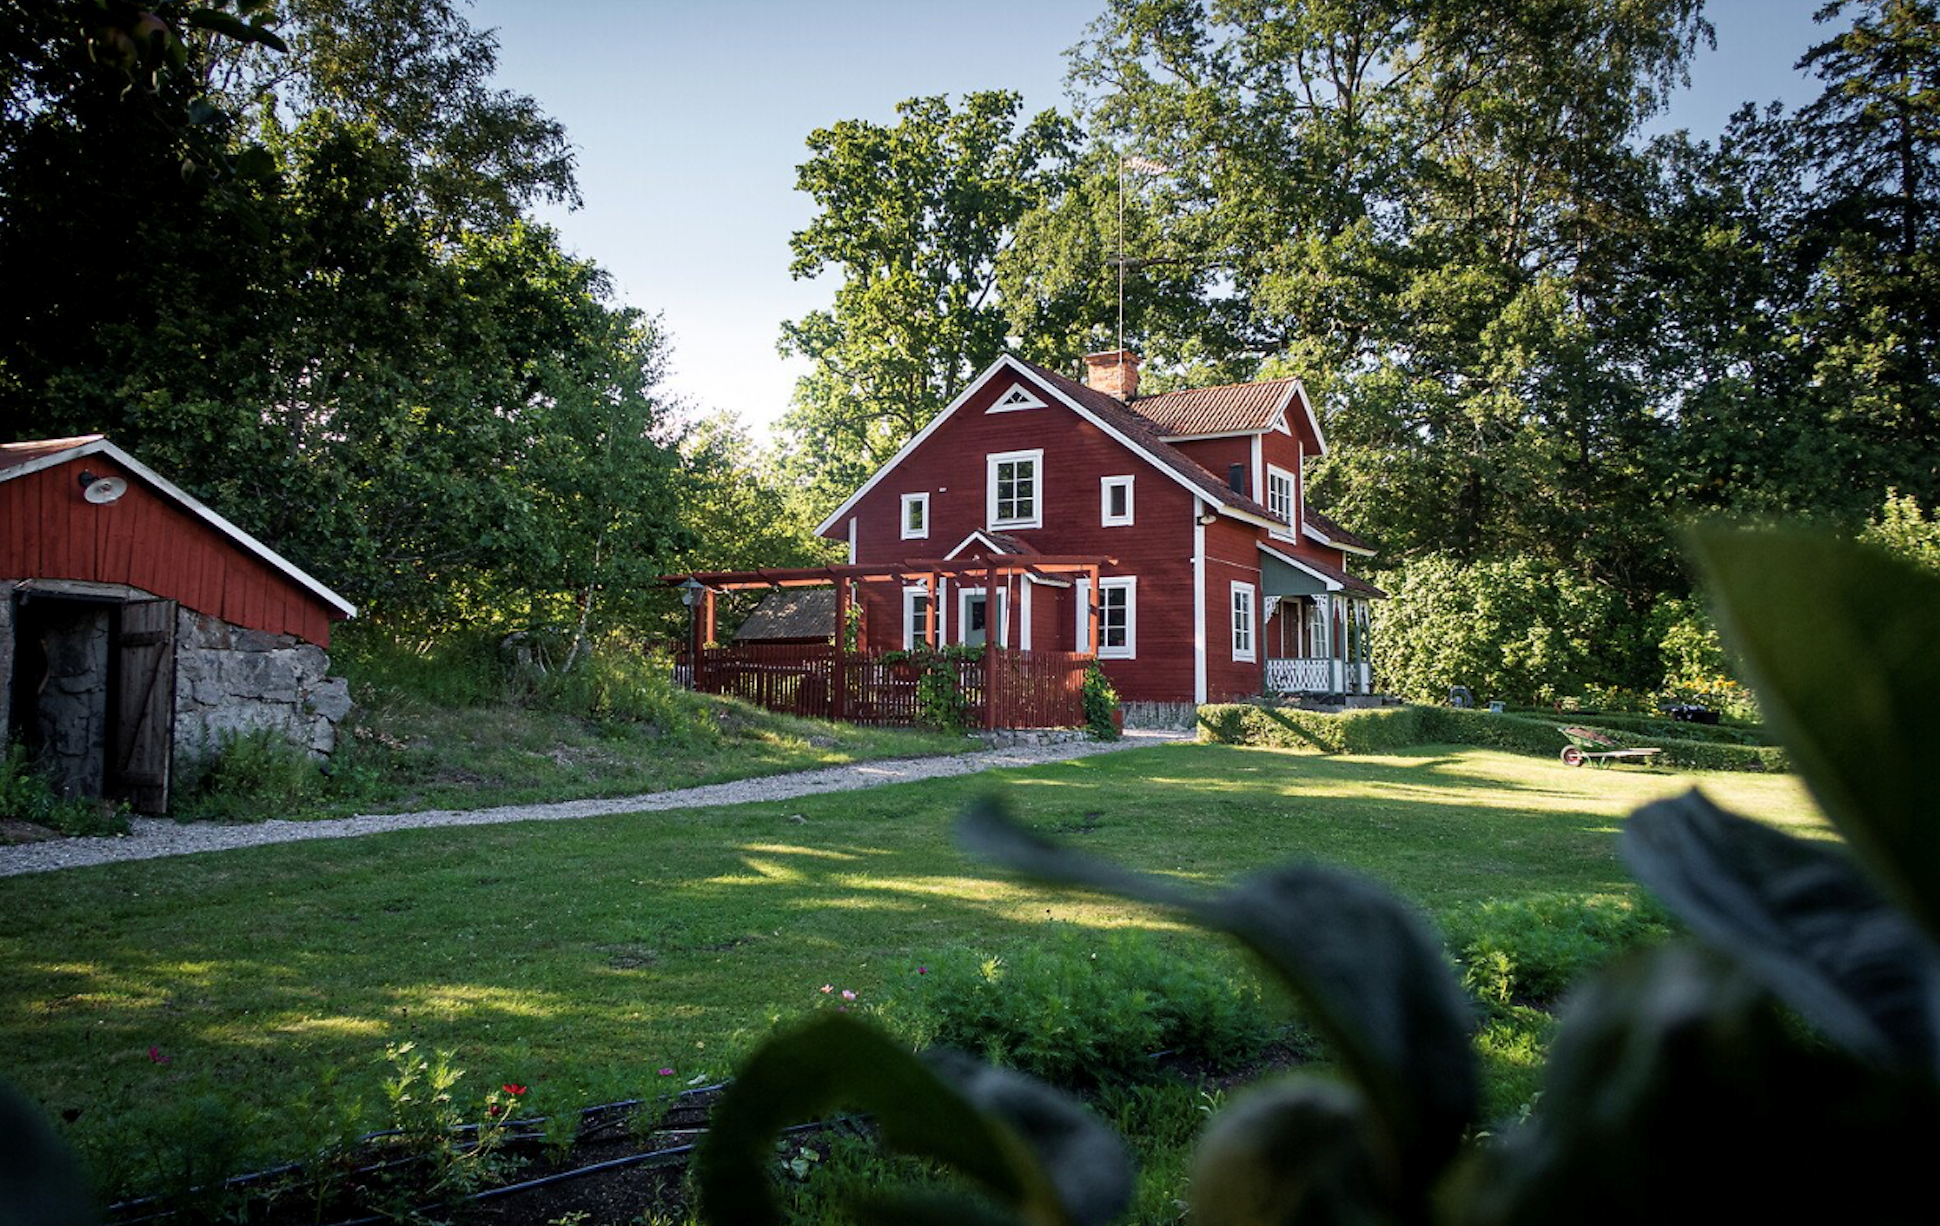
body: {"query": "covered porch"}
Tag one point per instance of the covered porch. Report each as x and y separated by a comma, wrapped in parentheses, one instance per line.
(1316, 618)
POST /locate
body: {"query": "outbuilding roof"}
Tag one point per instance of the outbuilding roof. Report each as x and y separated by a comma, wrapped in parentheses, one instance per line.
(23, 458)
(1237, 408)
(791, 613)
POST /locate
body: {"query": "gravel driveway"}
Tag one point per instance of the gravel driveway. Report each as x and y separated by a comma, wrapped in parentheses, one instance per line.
(152, 837)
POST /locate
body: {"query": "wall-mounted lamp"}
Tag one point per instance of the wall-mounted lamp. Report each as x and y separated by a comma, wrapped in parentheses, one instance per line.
(1209, 518)
(101, 490)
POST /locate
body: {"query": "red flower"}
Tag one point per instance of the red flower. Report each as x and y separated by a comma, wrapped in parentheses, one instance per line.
(155, 1056)
(513, 1088)
(492, 1109)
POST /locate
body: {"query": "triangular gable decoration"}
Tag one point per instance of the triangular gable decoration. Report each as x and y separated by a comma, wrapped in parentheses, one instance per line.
(1014, 399)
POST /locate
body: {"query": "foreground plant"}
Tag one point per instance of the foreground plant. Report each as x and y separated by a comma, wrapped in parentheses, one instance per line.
(1680, 1086)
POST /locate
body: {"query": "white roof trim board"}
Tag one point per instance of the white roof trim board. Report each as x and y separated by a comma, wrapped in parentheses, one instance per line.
(979, 535)
(97, 445)
(1008, 361)
(1333, 585)
(1307, 529)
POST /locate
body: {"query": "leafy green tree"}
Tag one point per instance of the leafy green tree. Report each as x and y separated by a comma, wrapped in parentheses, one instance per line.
(913, 217)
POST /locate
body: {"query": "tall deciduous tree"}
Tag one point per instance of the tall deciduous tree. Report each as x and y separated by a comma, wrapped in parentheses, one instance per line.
(913, 217)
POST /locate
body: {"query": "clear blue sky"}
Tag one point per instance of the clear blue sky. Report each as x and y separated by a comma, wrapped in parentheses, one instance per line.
(689, 118)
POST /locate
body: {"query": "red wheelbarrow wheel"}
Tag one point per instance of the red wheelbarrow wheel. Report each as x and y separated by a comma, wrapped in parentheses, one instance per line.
(1572, 756)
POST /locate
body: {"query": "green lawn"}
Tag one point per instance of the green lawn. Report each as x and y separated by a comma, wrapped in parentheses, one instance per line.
(580, 958)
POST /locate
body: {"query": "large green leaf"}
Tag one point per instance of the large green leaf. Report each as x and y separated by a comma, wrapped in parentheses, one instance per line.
(1800, 918)
(1674, 1092)
(1371, 973)
(1842, 643)
(1298, 1150)
(40, 1182)
(1029, 1148)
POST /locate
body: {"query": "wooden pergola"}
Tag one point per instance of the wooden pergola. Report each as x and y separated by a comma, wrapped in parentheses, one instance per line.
(930, 572)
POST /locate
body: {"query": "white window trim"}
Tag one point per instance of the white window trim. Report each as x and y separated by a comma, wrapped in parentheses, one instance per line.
(919, 500)
(1016, 400)
(991, 462)
(1242, 598)
(964, 596)
(1293, 501)
(911, 594)
(1105, 487)
(1105, 652)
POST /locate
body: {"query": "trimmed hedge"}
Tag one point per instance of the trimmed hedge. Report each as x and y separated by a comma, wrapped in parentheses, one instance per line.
(1656, 726)
(1386, 729)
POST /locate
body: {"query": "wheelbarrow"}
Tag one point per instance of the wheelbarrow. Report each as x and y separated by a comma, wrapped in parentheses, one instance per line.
(1590, 745)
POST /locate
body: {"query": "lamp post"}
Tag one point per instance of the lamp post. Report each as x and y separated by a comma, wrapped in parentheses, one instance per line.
(690, 595)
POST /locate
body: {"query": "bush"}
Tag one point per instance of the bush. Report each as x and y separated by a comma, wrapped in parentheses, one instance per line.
(250, 776)
(614, 684)
(27, 796)
(1516, 630)
(1534, 948)
(1083, 1009)
(1100, 701)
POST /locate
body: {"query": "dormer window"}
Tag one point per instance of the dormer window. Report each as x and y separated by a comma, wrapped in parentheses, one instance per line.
(916, 517)
(1280, 493)
(1014, 399)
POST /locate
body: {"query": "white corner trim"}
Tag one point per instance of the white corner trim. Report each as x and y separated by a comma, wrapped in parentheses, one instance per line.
(1024, 614)
(851, 540)
(1198, 603)
(1258, 469)
(248, 543)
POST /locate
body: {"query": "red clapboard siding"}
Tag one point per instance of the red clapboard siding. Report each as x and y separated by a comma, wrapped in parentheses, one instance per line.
(148, 541)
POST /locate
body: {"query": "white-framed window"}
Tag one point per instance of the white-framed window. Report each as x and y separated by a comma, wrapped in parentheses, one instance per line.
(1280, 493)
(1115, 502)
(916, 516)
(1015, 496)
(917, 608)
(1244, 630)
(975, 617)
(1117, 617)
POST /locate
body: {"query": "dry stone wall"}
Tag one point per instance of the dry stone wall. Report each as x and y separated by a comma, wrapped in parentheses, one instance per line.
(229, 680)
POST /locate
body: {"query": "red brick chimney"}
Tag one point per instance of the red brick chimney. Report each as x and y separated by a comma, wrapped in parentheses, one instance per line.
(1114, 372)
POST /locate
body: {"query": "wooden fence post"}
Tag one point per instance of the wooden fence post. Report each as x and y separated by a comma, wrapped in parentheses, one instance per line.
(839, 682)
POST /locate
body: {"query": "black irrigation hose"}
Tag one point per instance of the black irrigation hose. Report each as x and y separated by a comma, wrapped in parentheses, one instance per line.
(578, 1172)
(526, 1126)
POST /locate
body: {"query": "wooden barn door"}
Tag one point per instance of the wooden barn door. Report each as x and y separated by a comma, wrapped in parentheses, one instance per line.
(144, 705)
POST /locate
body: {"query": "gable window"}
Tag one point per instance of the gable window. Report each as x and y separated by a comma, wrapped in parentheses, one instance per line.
(1243, 627)
(1279, 493)
(1015, 496)
(1115, 502)
(1014, 399)
(1117, 617)
(917, 610)
(916, 516)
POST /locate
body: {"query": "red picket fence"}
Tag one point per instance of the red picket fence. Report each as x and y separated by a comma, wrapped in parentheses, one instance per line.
(1032, 689)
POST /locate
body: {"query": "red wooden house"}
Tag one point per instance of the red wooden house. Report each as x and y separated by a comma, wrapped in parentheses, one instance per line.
(1217, 580)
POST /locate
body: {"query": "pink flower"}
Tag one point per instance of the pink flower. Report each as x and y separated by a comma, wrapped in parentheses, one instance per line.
(666, 1072)
(847, 995)
(922, 970)
(155, 1056)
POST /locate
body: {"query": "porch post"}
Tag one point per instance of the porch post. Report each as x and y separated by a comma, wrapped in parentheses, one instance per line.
(936, 611)
(707, 615)
(990, 653)
(839, 683)
(1094, 610)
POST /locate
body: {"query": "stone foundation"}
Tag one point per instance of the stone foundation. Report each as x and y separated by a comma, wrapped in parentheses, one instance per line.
(1183, 716)
(1011, 738)
(229, 680)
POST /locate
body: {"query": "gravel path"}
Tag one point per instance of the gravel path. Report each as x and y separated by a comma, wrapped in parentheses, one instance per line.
(153, 837)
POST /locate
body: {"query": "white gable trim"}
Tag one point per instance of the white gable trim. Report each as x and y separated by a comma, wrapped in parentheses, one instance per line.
(244, 541)
(1015, 400)
(979, 535)
(1333, 585)
(1307, 407)
(1307, 529)
(1008, 362)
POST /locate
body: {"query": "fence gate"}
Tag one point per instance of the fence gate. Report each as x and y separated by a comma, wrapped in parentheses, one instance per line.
(144, 703)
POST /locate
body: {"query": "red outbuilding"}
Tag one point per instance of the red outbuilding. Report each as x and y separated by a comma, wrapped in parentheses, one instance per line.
(139, 628)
